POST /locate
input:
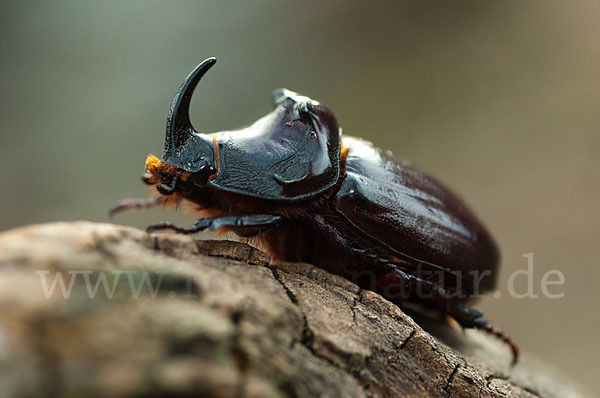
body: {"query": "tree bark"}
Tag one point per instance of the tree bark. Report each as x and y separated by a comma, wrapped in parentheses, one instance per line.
(215, 318)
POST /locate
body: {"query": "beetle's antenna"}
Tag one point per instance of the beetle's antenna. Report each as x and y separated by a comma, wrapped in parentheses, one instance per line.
(179, 126)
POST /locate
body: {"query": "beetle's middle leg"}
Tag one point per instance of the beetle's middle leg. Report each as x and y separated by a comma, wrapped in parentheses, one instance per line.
(253, 221)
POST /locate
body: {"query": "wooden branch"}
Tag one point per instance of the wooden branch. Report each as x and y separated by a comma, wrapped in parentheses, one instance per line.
(219, 320)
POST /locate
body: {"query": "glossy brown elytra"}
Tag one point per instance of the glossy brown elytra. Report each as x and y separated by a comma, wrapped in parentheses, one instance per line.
(292, 185)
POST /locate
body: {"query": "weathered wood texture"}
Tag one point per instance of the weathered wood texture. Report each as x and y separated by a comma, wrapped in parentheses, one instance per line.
(222, 322)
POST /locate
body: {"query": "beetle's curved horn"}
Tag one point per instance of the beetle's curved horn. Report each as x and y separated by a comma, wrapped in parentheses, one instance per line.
(179, 126)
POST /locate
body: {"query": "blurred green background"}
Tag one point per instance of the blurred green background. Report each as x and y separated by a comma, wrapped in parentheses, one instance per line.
(498, 99)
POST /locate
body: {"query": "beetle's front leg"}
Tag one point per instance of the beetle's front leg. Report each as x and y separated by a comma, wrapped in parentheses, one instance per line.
(259, 221)
(126, 204)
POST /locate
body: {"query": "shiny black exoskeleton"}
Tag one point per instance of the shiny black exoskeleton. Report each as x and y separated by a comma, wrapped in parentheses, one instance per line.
(300, 191)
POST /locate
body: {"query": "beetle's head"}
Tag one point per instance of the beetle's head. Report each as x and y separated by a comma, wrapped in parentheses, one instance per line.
(292, 153)
(189, 156)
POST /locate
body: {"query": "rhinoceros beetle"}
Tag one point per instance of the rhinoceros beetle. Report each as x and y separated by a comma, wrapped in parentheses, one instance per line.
(292, 185)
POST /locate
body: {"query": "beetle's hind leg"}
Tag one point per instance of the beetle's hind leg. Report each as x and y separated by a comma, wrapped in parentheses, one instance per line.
(126, 204)
(466, 316)
(469, 317)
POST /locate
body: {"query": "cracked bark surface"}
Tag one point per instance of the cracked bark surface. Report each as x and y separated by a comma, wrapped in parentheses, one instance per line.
(221, 321)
